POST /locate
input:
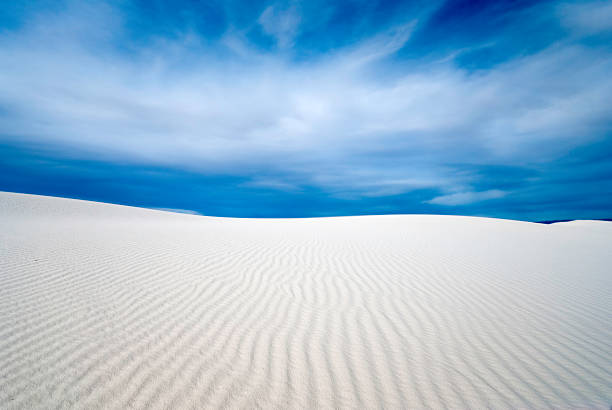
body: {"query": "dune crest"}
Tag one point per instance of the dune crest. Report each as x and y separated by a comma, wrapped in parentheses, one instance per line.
(105, 306)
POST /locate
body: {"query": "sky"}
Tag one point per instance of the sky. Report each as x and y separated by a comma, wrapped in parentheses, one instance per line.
(311, 108)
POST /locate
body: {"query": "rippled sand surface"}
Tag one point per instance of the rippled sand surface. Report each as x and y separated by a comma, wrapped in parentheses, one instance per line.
(104, 306)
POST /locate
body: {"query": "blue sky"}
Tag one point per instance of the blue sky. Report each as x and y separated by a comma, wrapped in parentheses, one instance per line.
(288, 109)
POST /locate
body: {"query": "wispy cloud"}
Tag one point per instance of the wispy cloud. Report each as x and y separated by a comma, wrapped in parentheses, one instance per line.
(464, 198)
(281, 23)
(587, 18)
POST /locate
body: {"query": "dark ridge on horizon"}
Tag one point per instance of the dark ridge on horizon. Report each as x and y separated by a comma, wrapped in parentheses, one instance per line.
(554, 221)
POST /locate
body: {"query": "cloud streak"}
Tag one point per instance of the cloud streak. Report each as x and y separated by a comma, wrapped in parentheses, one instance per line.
(464, 198)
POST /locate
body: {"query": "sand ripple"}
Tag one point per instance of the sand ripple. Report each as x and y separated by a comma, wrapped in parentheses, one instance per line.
(103, 306)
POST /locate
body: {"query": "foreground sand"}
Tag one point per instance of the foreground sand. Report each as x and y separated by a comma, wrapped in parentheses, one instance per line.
(104, 306)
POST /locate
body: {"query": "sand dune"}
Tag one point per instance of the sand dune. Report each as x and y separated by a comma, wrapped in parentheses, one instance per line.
(104, 306)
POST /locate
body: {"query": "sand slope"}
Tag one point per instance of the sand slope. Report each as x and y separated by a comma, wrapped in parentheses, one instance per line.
(104, 306)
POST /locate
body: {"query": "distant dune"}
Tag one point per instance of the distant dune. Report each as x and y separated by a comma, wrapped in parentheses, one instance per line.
(106, 306)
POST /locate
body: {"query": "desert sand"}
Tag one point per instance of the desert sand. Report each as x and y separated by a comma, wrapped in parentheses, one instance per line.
(107, 306)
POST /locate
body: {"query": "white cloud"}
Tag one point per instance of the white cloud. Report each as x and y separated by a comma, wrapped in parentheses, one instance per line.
(272, 183)
(464, 198)
(588, 18)
(281, 23)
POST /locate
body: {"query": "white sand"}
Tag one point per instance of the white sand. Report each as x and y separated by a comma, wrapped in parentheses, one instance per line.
(104, 306)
